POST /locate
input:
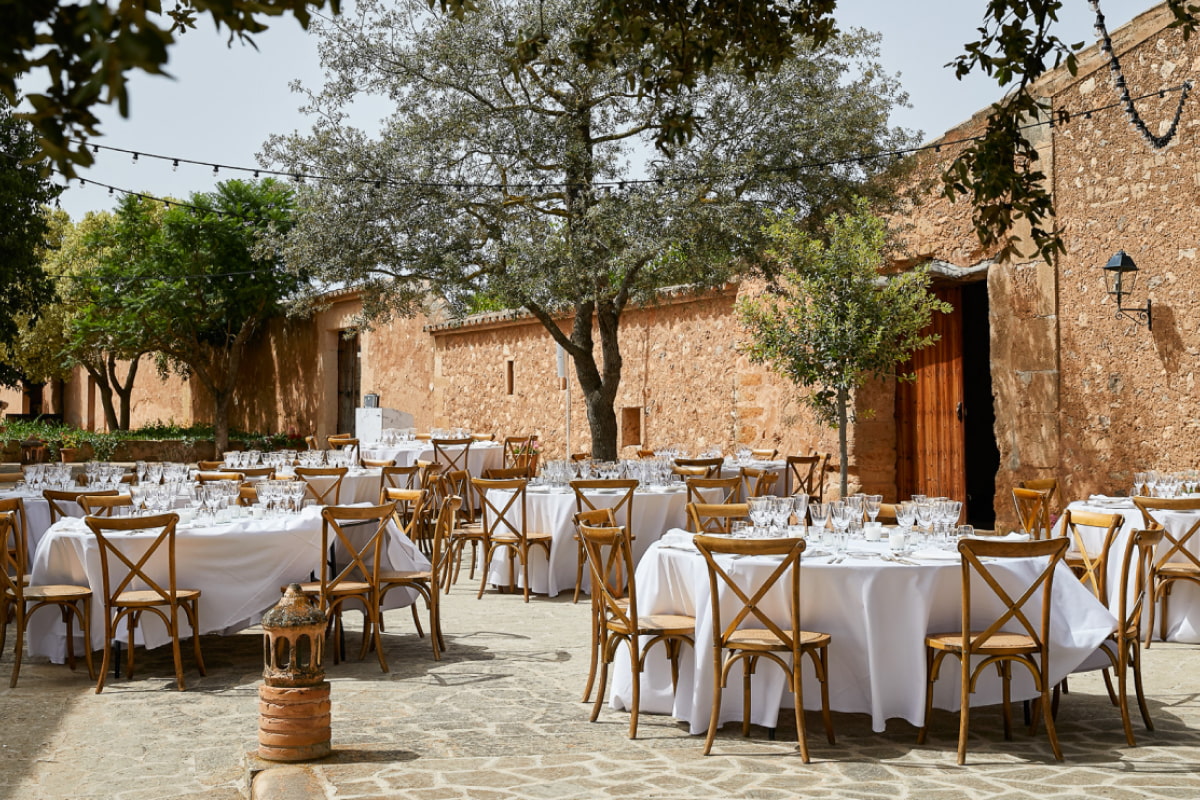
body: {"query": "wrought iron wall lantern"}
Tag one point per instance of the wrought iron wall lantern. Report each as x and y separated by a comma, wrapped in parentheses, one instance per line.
(1120, 277)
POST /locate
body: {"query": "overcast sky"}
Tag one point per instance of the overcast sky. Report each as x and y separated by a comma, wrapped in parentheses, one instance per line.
(224, 102)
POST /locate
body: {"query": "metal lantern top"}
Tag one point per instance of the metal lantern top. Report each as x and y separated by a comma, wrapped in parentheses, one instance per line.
(1120, 273)
(294, 641)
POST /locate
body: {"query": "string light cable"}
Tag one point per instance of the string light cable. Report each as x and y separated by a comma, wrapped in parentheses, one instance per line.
(1126, 103)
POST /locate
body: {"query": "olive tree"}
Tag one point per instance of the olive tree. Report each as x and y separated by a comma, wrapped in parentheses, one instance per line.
(538, 188)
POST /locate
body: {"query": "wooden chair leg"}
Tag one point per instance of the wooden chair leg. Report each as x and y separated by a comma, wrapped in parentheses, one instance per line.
(714, 719)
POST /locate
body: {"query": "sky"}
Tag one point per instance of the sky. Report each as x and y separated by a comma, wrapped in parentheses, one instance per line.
(223, 102)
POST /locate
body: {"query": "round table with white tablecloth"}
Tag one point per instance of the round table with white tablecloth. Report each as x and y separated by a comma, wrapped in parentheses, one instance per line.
(482, 455)
(877, 612)
(239, 567)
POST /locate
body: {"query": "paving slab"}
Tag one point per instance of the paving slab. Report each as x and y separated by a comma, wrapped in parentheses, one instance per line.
(499, 717)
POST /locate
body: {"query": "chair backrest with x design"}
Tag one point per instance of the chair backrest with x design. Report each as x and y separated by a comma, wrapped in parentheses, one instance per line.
(979, 556)
(715, 517)
(711, 466)
(62, 503)
(751, 591)
(1093, 535)
(398, 478)
(341, 529)
(134, 560)
(805, 474)
(1135, 587)
(16, 535)
(621, 488)
(409, 505)
(331, 494)
(1033, 511)
(104, 505)
(757, 482)
(1177, 545)
(519, 450)
(700, 490)
(453, 454)
(610, 558)
(503, 513)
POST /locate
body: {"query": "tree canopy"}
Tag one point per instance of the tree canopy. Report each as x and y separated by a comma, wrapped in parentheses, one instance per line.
(193, 281)
(832, 322)
(523, 188)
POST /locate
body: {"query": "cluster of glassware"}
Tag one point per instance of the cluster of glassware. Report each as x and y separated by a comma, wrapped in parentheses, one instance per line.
(328, 458)
(1152, 483)
(771, 517)
(159, 472)
(449, 433)
(934, 517)
(279, 459)
(46, 476)
(156, 498)
(281, 496)
(214, 500)
(394, 436)
(237, 458)
(103, 476)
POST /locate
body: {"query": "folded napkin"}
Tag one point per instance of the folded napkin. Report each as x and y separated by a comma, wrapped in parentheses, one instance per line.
(680, 540)
(1106, 500)
(1013, 536)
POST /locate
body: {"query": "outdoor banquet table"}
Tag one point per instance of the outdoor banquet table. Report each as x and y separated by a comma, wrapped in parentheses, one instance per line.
(238, 566)
(877, 613)
(482, 456)
(732, 469)
(37, 513)
(358, 485)
(553, 510)
(1183, 610)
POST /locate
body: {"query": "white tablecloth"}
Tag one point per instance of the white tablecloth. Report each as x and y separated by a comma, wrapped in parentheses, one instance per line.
(358, 486)
(482, 456)
(877, 613)
(37, 514)
(554, 511)
(239, 568)
(1183, 617)
(732, 469)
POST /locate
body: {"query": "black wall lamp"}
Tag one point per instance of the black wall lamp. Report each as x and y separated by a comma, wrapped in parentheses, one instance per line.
(1120, 276)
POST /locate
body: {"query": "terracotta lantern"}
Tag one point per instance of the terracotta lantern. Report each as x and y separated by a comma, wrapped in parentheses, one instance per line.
(293, 703)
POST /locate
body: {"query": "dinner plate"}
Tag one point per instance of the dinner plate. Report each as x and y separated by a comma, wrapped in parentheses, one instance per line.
(861, 554)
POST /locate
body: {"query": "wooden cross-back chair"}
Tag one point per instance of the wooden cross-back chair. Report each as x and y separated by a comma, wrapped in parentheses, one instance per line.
(126, 600)
(356, 580)
(341, 442)
(757, 482)
(505, 527)
(1176, 561)
(16, 539)
(623, 490)
(751, 633)
(19, 600)
(247, 495)
(616, 617)
(427, 583)
(1049, 485)
(715, 517)
(997, 644)
(507, 473)
(597, 518)
(700, 489)
(329, 496)
(104, 505)
(453, 454)
(214, 477)
(63, 503)
(519, 451)
(764, 453)
(805, 474)
(210, 466)
(1088, 556)
(1033, 511)
(1123, 646)
(711, 466)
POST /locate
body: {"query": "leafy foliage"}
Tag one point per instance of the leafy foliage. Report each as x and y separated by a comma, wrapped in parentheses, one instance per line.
(832, 322)
(82, 53)
(194, 283)
(25, 234)
(491, 186)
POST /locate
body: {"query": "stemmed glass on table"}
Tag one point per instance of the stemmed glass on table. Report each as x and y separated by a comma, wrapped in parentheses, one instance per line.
(819, 514)
(760, 512)
(840, 513)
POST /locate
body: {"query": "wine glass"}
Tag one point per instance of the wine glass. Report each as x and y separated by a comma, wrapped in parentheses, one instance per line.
(799, 503)
(906, 514)
(781, 513)
(873, 501)
(760, 512)
(925, 512)
(819, 514)
(840, 513)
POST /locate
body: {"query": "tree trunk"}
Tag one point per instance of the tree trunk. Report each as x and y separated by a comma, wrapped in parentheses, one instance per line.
(843, 402)
(221, 401)
(100, 376)
(124, 389)
(602, 421)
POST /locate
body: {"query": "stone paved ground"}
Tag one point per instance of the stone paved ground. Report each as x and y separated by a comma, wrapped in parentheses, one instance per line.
(499, 718)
